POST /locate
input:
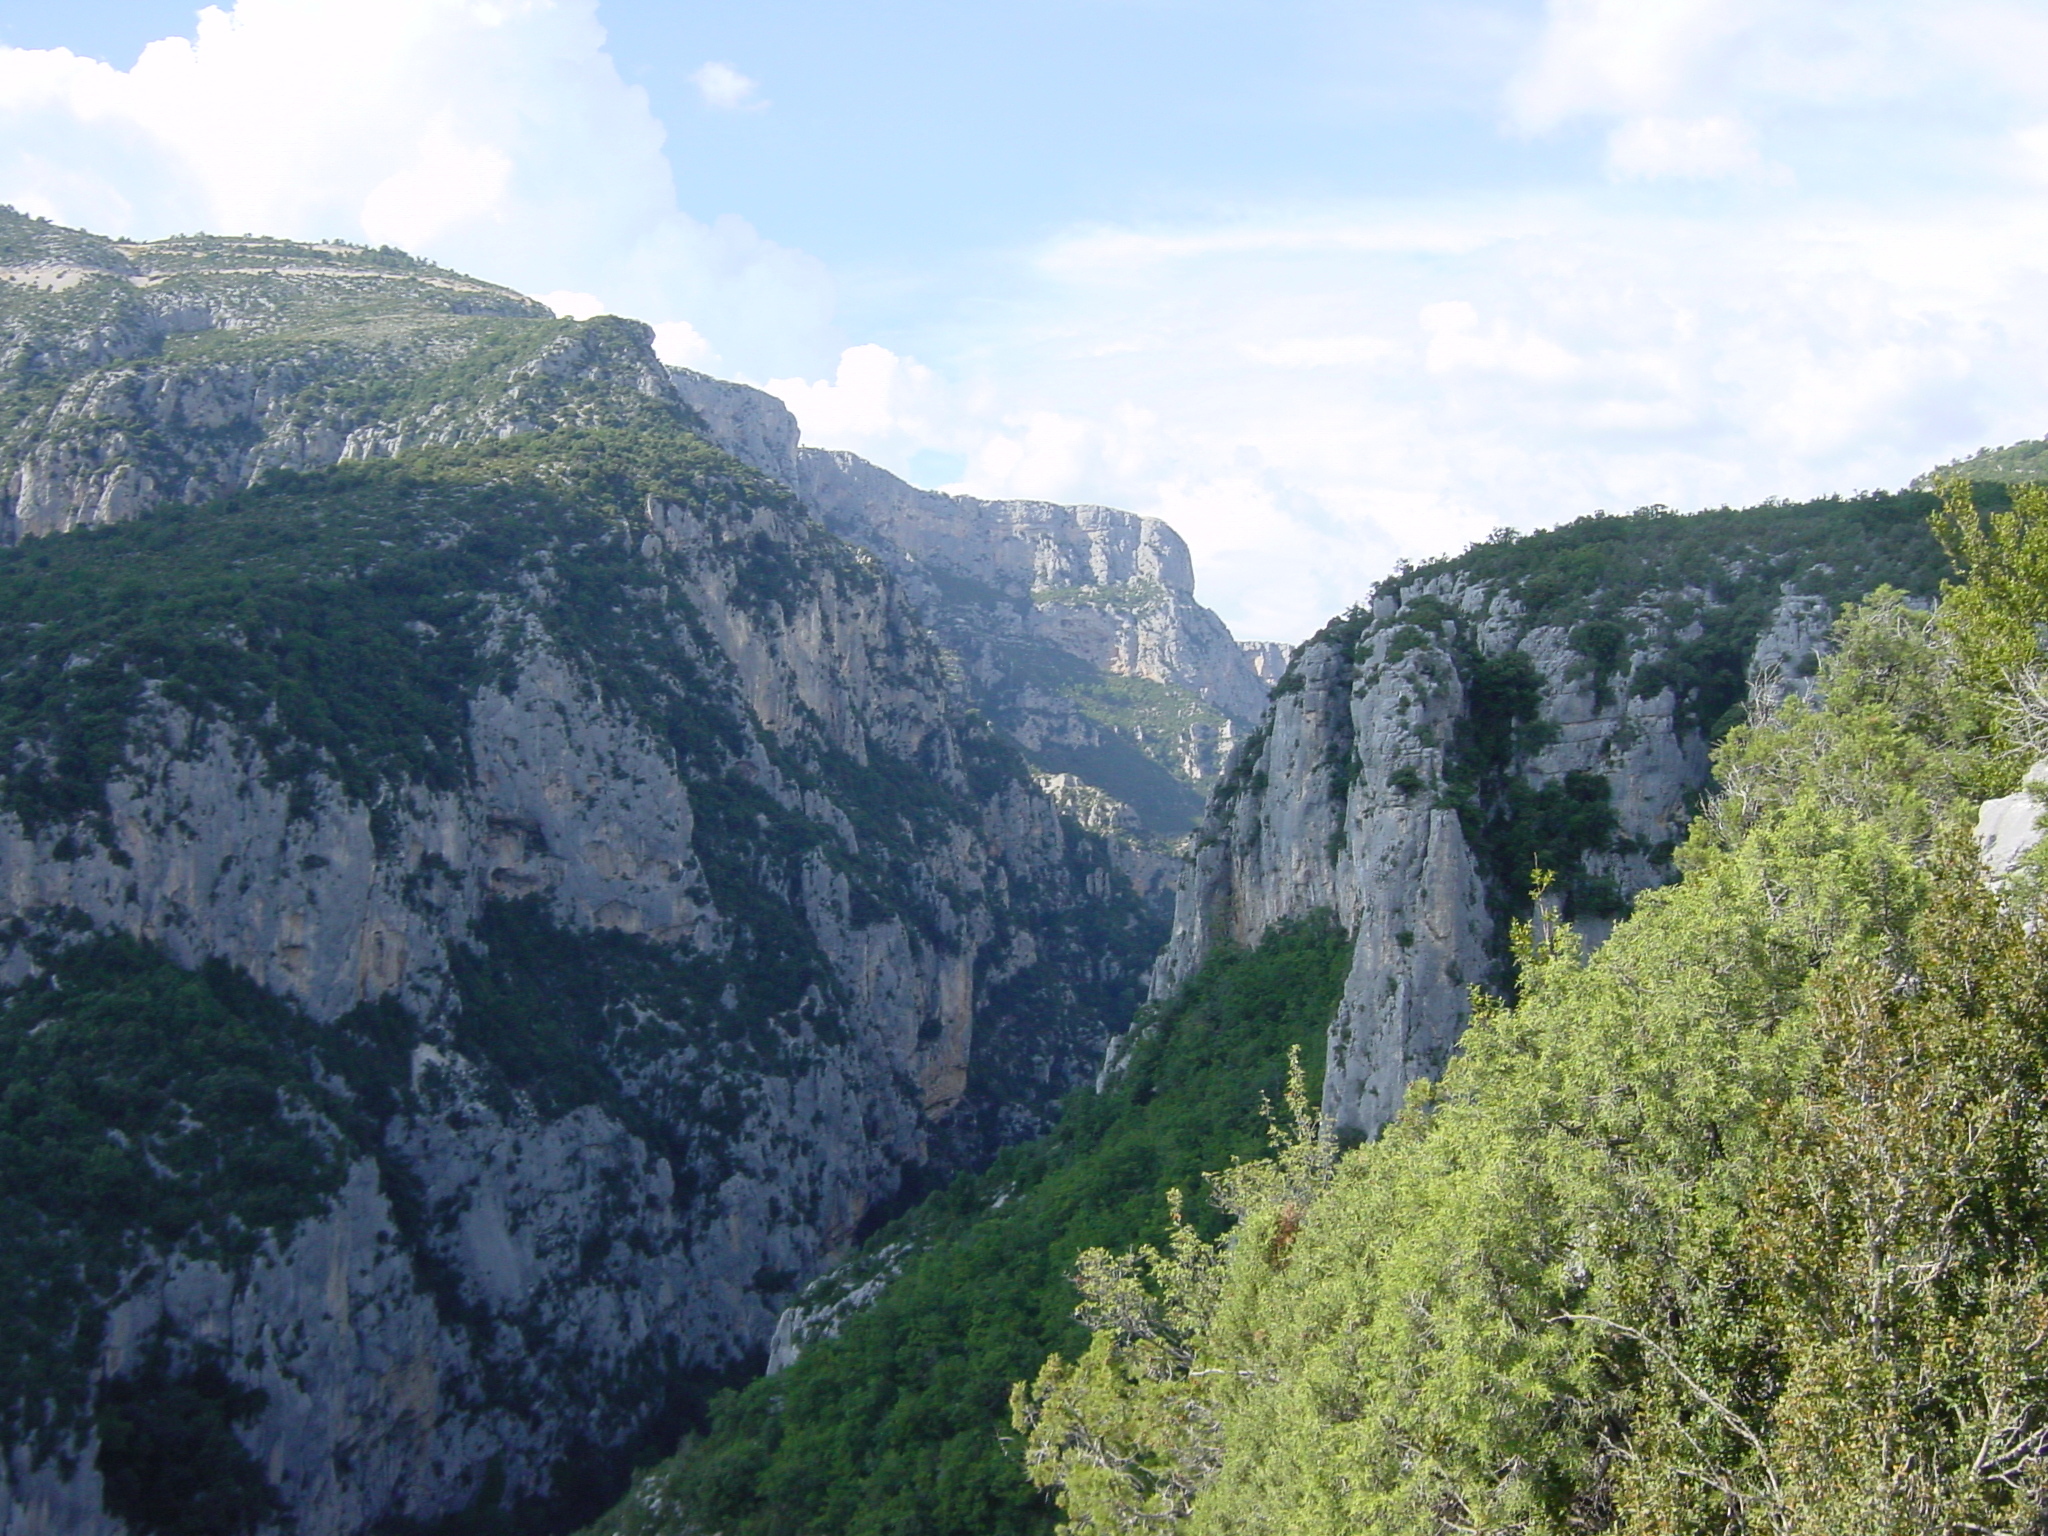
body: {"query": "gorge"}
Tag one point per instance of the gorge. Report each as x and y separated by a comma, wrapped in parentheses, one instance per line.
(519, 875)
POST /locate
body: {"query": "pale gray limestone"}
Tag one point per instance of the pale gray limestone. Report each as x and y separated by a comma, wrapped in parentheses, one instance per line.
(1018, 590)
(2009, 828)
(1335, 807)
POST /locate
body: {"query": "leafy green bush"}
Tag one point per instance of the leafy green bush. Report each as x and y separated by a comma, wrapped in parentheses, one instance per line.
(1730, 1227)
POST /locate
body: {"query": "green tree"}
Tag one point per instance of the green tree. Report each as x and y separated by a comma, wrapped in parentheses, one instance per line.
(1726, 1228)
(1897, 1227)
(1129, 1433)
(1994, 613)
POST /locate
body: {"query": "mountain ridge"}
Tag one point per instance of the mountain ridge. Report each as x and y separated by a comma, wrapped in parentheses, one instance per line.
(511, 864)
(1019, 591)
(1544, 701)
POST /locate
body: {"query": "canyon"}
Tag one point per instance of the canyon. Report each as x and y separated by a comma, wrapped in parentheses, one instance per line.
(628, 854)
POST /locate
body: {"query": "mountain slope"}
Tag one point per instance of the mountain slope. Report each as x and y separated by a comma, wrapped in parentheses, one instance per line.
(889, 1419)
(1730, 1227)
(485, 910)
(1473, 675)
(2018, 463)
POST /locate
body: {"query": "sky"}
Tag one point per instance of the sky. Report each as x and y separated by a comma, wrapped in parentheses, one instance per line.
(1326, 285)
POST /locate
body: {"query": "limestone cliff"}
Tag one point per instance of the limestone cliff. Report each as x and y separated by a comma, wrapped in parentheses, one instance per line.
(623, 888)
(1076, 628)
(1269, 659)
(1540, 702)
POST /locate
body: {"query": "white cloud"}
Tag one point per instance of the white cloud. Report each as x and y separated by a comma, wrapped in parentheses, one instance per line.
(1308, 398)
(495, 137)
(682, 345)
(1649, 58)
(573, 304)
(1701, 148)
(726, 89)
(1322, 351)
(1310, 393)
(876, 403)
(446, 183)
(1698, 88)
(1026, 452)
(1307, 393)
(1625, 57)
(2028, 152)
(1460, 342)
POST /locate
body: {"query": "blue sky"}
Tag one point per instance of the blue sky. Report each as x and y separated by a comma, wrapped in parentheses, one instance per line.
(1326, 285)
(899, 128)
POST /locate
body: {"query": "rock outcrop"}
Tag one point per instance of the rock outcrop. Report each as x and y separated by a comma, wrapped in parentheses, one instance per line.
(1269, 659)
(1421, 758)
(2009, 827)
(140, 378)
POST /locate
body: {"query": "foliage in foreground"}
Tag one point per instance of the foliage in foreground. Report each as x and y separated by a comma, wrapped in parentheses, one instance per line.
(1731, 1228)
(897, 1424)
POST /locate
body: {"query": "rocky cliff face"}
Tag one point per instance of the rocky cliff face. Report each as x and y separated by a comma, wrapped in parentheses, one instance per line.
(1546, 703)
(1076, 628)
(182, 369)
(638, 887)
(1269, 659)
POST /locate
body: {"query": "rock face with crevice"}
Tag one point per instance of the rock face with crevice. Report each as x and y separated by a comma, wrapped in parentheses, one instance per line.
(647, 893)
